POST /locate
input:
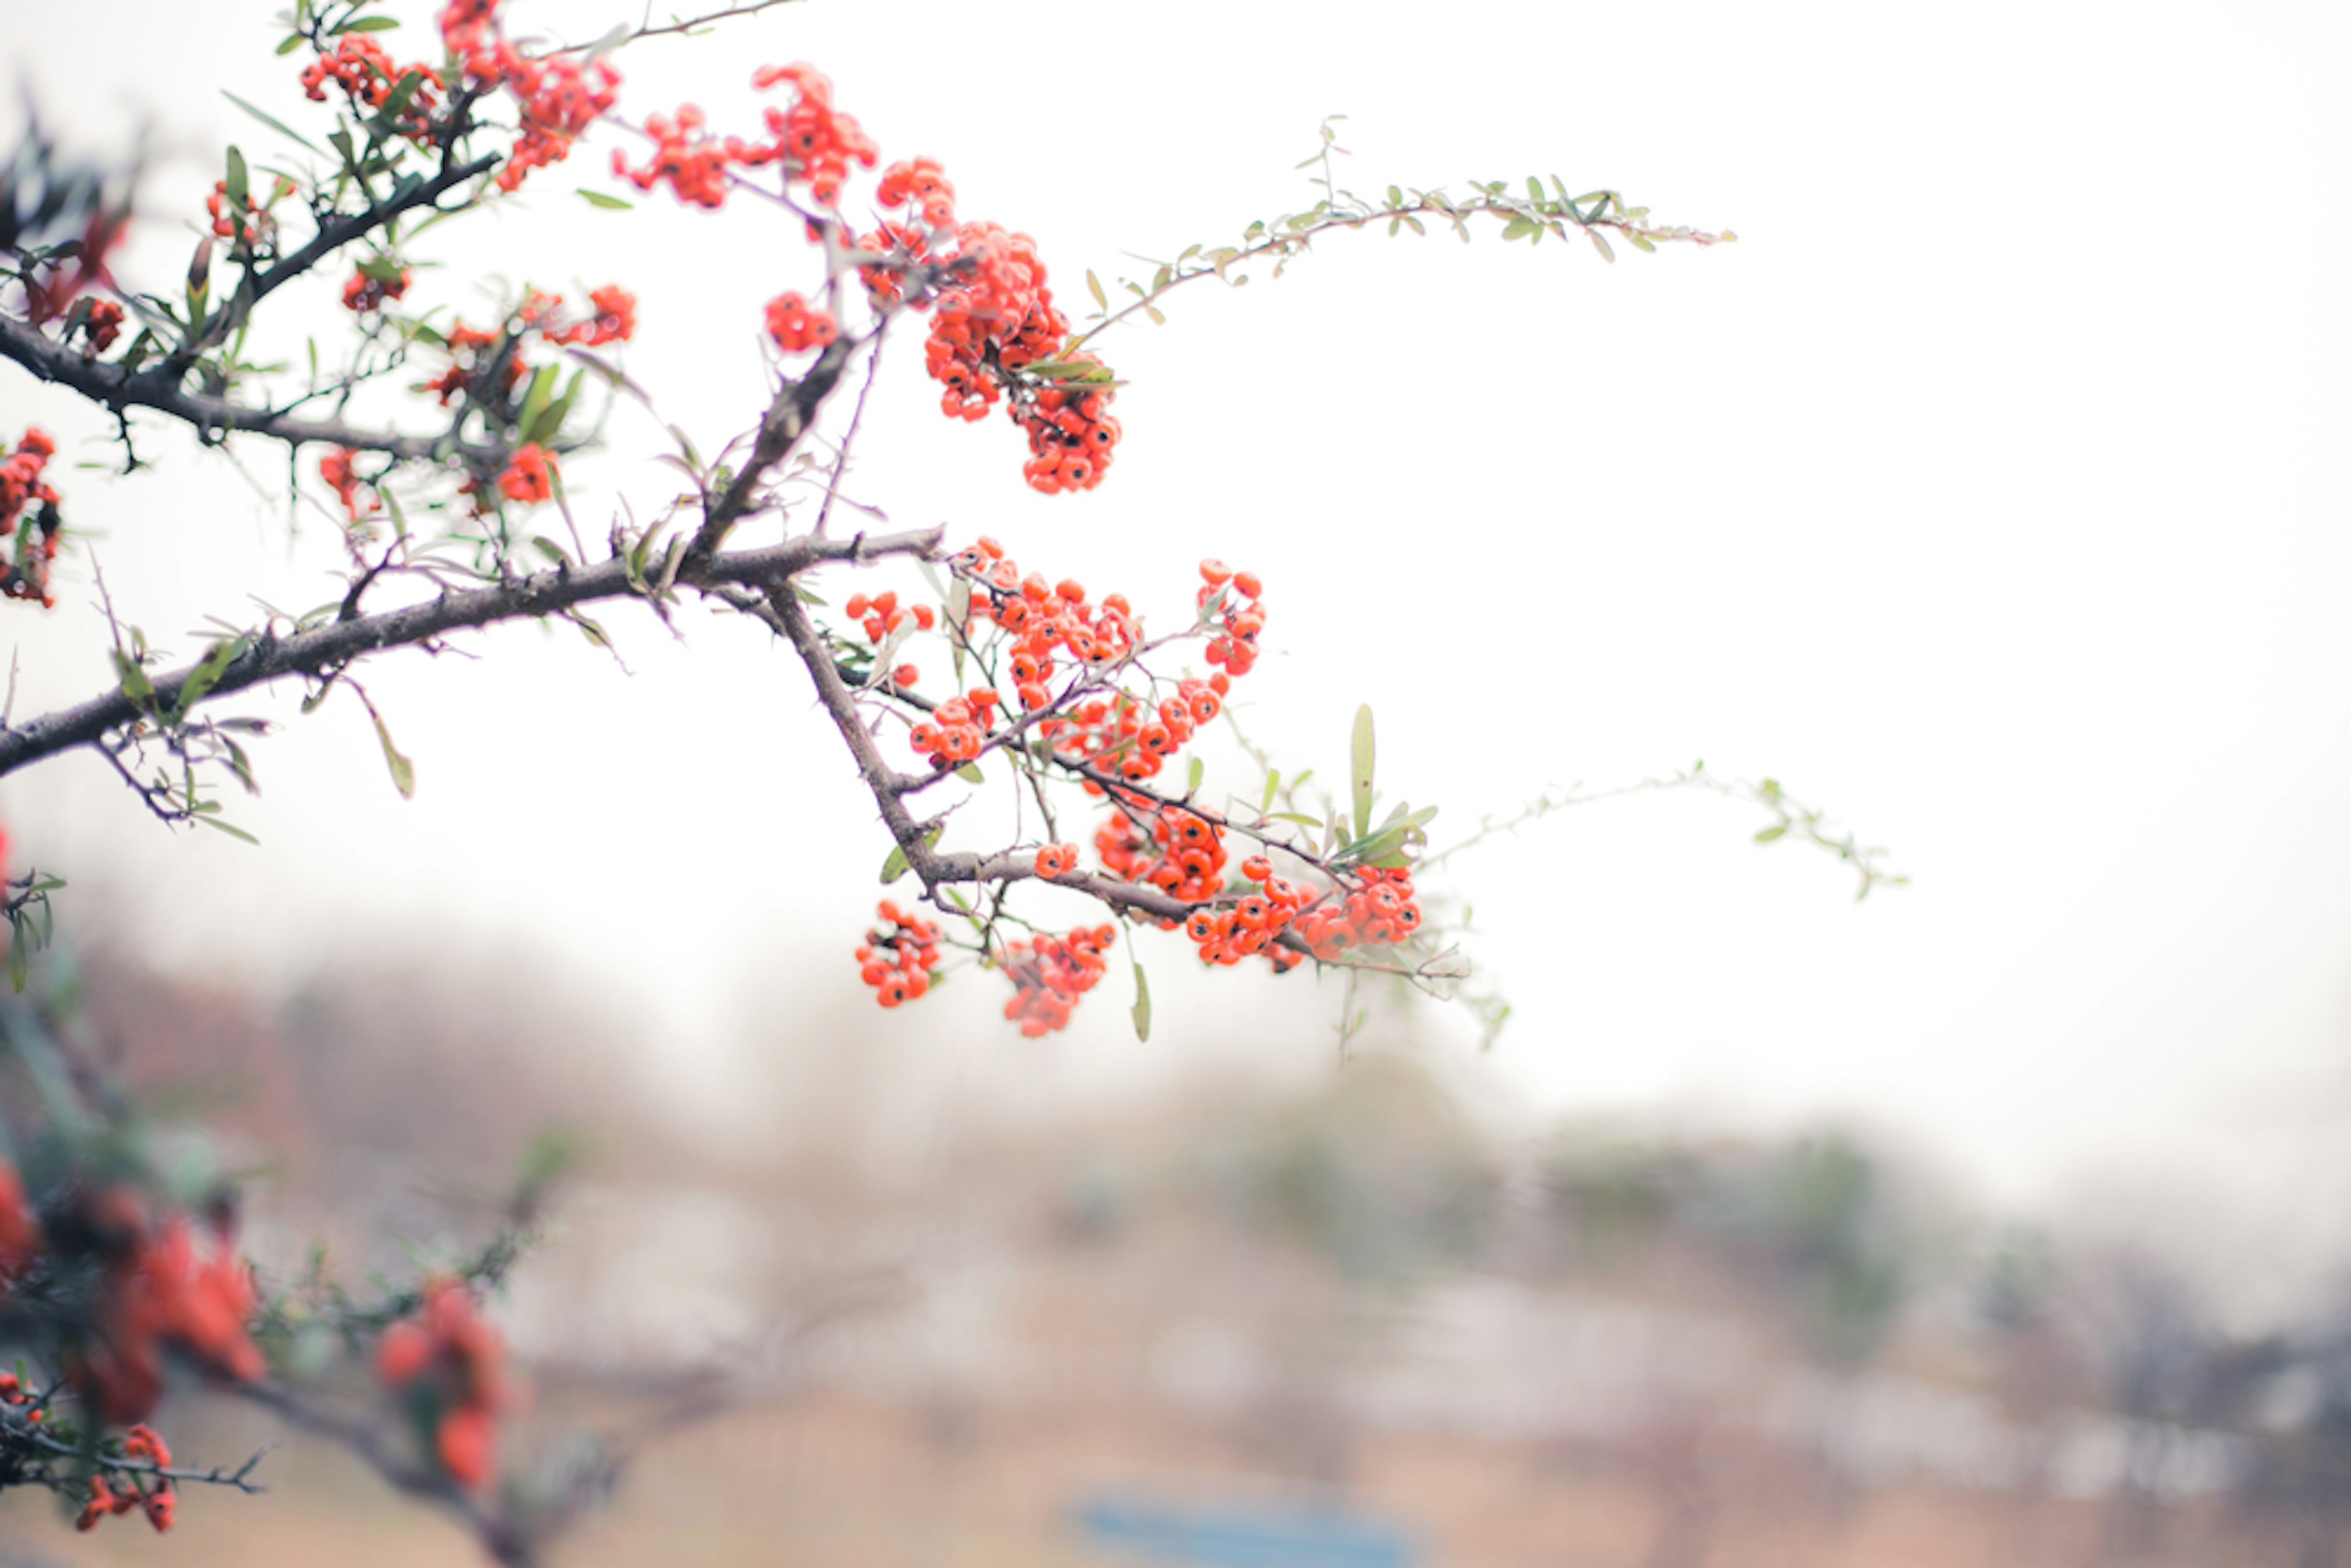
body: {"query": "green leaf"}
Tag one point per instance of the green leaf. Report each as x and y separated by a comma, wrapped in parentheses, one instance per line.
(610, 204)
(1765, 835)
(970, 774)
(135, 683)
(291, 42)
(274, 123)
(1520, 227)
(18, 963)
(369, 24)
(1360, 760)
(895, 866)
(404, 772)
(204, 675)
(1272, 787)
(1192, 782)
(1293, 817)
(1093, 286)
(231, 828)
(1600, 244)
(1142, 1004)
(534, 401)
(237, 177)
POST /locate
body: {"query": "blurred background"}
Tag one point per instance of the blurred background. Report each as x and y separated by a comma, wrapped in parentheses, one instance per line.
(1982, 494)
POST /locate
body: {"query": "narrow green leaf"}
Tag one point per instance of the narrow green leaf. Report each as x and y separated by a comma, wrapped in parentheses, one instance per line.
(894, 867)
(970, 774)
(231, 828)
(1192, 782)
(204, 675)
(291, 42)
(404, 772)
(237, 177)
(1272, 787)
(610, 204)
(1094, 288)
(135, 683)
(18, 963)
(1360, 760)
(369, 24)
(1600, 244)
(1142, 1004)
(1765, 835)
(274, 123)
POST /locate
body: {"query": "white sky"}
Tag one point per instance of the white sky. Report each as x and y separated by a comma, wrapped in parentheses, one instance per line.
(1982, 494)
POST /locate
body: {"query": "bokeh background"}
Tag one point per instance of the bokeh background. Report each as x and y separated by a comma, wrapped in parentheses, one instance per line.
(1981, 494)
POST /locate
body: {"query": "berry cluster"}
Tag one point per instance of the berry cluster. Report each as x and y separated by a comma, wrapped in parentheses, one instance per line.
(25, 575)
(99, 321)
(896, 958)
(813, 141)
(1379, 910)
(250, 227)
(614, 320)
(364, 293)
(1051, 973)
(448, 1364)
(1056, 861)
(797, 326)
(921, 181)
(882, 614)
(335, 468)
(471, 354)
(1250, 924)
(560, 97)
(1043, 619)
(529, 475)
(159, 1288)
(129, 1491)
(958, 728)
(1175, 850)
(1231, 601)
(360, 66)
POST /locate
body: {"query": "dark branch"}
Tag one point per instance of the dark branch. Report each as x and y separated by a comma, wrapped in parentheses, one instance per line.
(117, 389)
(329, 647)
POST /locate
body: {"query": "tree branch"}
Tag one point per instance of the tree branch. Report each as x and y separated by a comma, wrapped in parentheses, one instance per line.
(329, 646)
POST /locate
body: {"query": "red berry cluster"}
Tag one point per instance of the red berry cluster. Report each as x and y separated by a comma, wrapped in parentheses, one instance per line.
(560, 97)
(896, 958)
(1057, 860)
(129, 1490)
(26, 574)
(1250, 924)
(813, 141)
(360, 66)
(450, 1365)
(818, 142)
(364, 293)
(1233, 603)
(1070, 435)
(529, 475)
(20, 1235)
(250, 227)
(1043, 619)
(796, 325)
(471, 350)
(882, 614)
(958, 728)
(1049, 974)
(101, 323)
(919, 181)
(1172, 850)
(1379, 910)
(335, 468)
(160, 1290)
(614, 319)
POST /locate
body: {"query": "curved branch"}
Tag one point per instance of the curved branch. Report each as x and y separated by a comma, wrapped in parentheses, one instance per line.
(329, 646)
(117, 389)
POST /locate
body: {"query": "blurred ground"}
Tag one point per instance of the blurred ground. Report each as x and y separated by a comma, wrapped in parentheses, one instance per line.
(1615, 1345)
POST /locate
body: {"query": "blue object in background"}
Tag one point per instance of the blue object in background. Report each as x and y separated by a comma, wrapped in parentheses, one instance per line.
(1229, 1537)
